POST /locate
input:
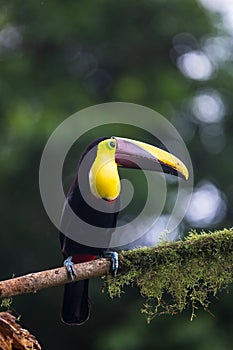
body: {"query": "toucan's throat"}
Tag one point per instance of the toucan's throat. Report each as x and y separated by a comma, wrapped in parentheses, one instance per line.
(109, 200)
(104, 179)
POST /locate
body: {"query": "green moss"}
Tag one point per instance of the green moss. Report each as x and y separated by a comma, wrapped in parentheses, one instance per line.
(174, 276)
(6, 303)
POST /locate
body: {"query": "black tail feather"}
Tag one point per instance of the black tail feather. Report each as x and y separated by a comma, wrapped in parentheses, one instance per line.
(76, 308)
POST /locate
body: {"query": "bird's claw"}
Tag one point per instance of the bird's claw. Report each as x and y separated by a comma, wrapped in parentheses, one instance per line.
(69, 265)
(114, 260)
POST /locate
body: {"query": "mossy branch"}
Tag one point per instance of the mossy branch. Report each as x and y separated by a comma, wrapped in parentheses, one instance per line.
(170, 276)
(176, 275)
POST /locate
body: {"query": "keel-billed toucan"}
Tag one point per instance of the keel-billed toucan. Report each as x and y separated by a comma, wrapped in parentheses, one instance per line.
(100, 180)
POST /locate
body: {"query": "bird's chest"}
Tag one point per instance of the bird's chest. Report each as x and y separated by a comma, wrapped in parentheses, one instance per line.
(95, 211)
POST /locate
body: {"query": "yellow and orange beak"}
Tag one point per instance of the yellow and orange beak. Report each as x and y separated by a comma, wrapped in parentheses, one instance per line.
(139, 155)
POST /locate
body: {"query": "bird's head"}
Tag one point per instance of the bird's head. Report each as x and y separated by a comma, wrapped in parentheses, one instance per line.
(117, 152)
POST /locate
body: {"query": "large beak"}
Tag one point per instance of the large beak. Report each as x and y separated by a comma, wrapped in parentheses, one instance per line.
(136, 154)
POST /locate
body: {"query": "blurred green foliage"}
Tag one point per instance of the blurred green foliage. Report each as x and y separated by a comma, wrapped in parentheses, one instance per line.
(58, 57)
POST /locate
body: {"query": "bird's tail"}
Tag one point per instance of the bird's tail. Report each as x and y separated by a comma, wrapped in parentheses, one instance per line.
(75, 308)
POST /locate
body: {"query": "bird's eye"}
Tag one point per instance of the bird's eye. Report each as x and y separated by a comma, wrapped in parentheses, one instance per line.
(112, 144)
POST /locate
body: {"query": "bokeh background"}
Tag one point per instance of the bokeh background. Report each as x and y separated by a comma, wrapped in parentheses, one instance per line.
(57, 57)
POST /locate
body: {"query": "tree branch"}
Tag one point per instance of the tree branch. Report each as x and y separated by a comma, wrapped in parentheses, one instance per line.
(33, 282)
(13, 336)
(178, 275)
(189, 271)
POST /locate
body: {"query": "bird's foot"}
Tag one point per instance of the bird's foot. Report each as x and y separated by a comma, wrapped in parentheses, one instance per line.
(69, 265)
(114, 260)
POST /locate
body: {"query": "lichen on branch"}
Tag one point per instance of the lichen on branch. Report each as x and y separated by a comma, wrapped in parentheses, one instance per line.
(177, 275)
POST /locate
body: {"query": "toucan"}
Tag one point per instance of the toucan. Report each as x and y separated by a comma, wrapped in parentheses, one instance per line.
(95, 189)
